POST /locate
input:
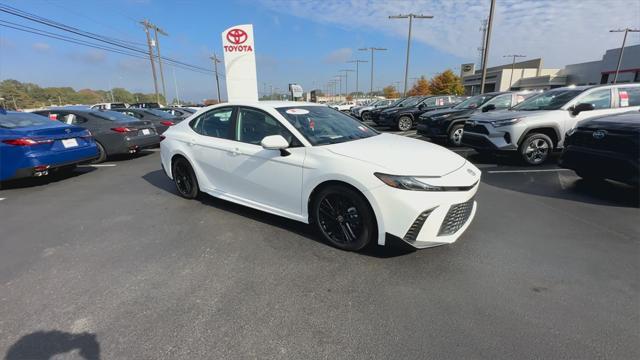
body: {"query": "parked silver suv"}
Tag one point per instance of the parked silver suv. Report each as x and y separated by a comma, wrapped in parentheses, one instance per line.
(363, 112)
(537, 126)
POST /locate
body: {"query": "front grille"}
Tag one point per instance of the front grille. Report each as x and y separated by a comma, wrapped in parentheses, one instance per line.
(477, 128)
(456, 218)
(620, 142)
(415, 228)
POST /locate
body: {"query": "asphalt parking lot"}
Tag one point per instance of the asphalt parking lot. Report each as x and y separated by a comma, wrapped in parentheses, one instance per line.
(109, 262)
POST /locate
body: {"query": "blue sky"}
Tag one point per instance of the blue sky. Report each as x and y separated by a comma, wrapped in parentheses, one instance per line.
(305, 42)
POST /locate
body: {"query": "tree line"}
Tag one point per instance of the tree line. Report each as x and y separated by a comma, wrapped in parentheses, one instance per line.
(445, 83)
(15, 95)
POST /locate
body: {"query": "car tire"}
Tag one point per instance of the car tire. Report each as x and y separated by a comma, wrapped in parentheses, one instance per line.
(535, 149)
(344, 218)
(405, 123)
(455, 135)
(185, 179)
(365, 116)
(102, 154)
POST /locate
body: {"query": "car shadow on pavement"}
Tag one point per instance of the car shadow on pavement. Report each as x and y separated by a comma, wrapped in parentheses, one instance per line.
(54, 176)
(125, 157)
(160, 180)
(44, 345)
(565, 185)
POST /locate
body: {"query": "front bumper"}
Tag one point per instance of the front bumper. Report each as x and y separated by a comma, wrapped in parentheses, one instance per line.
(385, 119)
(425, 219)
(430, 130)
(606, 164)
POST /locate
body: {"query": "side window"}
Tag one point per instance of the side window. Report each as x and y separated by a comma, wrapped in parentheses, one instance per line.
(253, 125)
(501, 101)
(430, 102)
(56, 116)
(629, 96)
(215, 123)
(600, 99)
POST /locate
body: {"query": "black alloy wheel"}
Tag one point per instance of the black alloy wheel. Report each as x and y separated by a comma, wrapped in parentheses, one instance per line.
(102, 154)
(344, 218)
(185, 179)
(366, 116)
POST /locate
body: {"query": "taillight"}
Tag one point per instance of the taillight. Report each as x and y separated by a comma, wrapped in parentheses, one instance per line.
(122, 129)
(166, 123)
(26, 142)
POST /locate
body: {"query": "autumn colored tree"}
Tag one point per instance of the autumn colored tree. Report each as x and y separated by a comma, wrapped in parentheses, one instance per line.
(420, 87)
(446, 83)
(390, 92)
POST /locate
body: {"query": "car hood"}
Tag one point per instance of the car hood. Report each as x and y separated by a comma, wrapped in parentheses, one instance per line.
(505, 114)
(454, 112)
(629, 121)
(400, 155)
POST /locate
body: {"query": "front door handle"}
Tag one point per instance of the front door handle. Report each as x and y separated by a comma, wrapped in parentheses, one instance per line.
(235, 152)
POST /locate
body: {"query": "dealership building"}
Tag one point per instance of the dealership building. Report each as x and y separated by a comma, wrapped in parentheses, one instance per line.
(531, 75)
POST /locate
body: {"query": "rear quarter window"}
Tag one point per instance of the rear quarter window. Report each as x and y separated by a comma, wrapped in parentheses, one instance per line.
(629, 96)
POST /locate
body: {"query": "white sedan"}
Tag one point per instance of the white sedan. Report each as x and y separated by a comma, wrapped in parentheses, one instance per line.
(313, 164)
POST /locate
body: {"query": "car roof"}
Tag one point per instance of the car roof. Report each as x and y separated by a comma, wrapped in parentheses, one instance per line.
(269, 104)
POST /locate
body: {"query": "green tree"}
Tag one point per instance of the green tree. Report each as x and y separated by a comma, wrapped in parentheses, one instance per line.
(446, 83)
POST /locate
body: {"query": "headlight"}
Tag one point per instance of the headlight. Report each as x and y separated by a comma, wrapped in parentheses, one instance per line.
(499, 123)
(406, 183)
(440, 117)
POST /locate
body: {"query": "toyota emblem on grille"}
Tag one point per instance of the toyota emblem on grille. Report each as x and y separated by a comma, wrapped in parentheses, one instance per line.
(599, 134)
(67, 130)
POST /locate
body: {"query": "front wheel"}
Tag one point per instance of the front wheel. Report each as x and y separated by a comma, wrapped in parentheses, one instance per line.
(366, 116)
(405, 123)
(535, 149)
(455, 135)
(185, 179)
(344, 218)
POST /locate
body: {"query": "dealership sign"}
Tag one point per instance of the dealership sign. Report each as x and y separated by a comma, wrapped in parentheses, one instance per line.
(240, 63)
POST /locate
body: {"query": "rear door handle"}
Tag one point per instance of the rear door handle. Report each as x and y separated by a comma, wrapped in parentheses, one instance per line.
(235, 152)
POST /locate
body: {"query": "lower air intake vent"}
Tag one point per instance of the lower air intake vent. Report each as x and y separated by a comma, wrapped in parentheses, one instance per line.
(415, 228)
(456, 218)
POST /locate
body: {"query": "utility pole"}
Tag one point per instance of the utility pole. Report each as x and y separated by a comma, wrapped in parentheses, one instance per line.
(372, 49)
(410, 17)
(487, 42)
(157, 30)
(147, 26)
(339, 77)
(624, 40)
(346, 82)
(357, 62)
(513, 66)
(175, 83)
(215, 69)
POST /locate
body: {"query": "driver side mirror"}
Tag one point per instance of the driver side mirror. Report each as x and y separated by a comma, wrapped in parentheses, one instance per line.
(275, 142)
(489, 107)
(577, 109)
(422, 106)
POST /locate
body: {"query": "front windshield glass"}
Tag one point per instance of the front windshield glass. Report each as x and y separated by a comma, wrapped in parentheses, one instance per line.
(160, 113)
(473, 102)
(411, 101)
(397, 102)
(113, 116)
(322, 125)
(550, 100)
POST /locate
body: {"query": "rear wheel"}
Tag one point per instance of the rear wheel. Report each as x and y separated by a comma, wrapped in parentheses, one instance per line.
(405, 123)
(344, 218)
(102, 154)
(455, 135)
(185, 179)
(535, 148)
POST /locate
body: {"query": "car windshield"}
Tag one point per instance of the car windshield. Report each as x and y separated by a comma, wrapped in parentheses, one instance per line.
(113, 116)
(322, 125)
(473, 102)
(412, 101)
(160, 113)
(20, 120)
(550, 100)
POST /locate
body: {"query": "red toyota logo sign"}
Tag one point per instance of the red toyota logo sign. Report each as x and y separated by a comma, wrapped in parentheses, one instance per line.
(237, 36)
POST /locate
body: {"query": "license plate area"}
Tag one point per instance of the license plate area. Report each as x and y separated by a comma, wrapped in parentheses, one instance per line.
(69, 143)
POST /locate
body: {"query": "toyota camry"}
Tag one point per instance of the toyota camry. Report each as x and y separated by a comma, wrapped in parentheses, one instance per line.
(313, 164)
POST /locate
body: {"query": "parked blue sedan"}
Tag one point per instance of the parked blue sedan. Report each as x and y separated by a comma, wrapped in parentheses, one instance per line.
(33, 145)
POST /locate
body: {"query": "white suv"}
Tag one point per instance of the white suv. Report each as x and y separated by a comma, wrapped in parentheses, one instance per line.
(538, 125)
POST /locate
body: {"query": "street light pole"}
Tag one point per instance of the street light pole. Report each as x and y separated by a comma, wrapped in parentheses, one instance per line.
(215, 69)
(410, 17)
(624, 40)
(487, 40)
(513, 65)
(357, 62)
(372, 49)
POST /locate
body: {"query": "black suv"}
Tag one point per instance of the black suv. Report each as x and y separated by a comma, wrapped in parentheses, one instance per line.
(606, 147)
(447, 124)
(405, 117)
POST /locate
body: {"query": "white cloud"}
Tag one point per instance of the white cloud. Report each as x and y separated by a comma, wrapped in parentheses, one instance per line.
(90, 56)
(41, 47)
(561, 32)
(338, 56)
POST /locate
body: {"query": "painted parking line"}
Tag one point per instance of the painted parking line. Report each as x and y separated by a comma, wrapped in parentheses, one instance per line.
(2, 199)
(525, 171)
(98, 165)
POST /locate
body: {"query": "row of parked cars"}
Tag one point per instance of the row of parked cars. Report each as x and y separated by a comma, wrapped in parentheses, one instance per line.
(596, 127)
(58, 139)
